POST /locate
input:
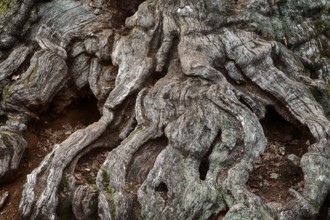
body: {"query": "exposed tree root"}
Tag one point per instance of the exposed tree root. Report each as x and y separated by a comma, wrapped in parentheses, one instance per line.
(201, 76)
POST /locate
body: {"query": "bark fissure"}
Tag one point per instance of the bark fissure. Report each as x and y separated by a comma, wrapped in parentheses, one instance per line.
(204, 165)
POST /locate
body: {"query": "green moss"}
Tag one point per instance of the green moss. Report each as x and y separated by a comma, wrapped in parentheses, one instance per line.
(105, 177)
(5, 137)
(111, 200)
(34, 71)
(5, 92)
(3, 6)
(6, 141)
(109, 190)
(328, 91)
(66, 184)
(31, 77)
(29, 81)
(314, 204)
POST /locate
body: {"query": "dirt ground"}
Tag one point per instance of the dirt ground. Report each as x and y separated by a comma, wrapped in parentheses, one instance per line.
(274, 174)
(271, 178)
(41, 136)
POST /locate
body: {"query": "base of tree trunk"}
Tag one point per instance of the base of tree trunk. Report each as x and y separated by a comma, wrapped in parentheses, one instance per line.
(195, 101)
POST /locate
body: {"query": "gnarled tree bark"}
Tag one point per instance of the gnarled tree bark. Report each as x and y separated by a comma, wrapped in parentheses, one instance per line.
(200, 74)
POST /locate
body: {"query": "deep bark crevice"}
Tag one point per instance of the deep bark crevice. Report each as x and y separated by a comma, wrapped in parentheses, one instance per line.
(324, 212)
(143, 160)
(205, 164)
(123, 10)
(279, 169)
(81, 107)
(172, 55)
(273, 123)
(163, 190)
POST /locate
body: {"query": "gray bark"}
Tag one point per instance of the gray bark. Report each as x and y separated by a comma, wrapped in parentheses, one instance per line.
(201, 75)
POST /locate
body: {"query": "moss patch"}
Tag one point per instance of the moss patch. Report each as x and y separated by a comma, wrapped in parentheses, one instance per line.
(5, 137)
(6, 141)
(111, 200)
(105, 177)
(3, 6)
(5, 92)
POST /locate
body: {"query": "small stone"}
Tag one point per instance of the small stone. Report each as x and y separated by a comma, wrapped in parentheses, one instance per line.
(15, 77)
(282, 151)
(266, 183)
(274, 176)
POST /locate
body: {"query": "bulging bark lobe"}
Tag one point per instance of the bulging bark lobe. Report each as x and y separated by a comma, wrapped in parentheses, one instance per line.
(181, 89)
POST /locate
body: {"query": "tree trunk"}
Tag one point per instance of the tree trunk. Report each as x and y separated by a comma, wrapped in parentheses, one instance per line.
(189, 94)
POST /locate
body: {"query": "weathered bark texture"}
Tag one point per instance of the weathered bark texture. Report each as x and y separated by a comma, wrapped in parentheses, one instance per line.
(200, 75)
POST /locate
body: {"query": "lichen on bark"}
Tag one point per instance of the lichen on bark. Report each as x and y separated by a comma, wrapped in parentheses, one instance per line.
(182, 85)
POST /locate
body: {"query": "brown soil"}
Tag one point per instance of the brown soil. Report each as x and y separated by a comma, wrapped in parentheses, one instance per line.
(273, 174)
(88, 166)
(271, 178)
(41, 136)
